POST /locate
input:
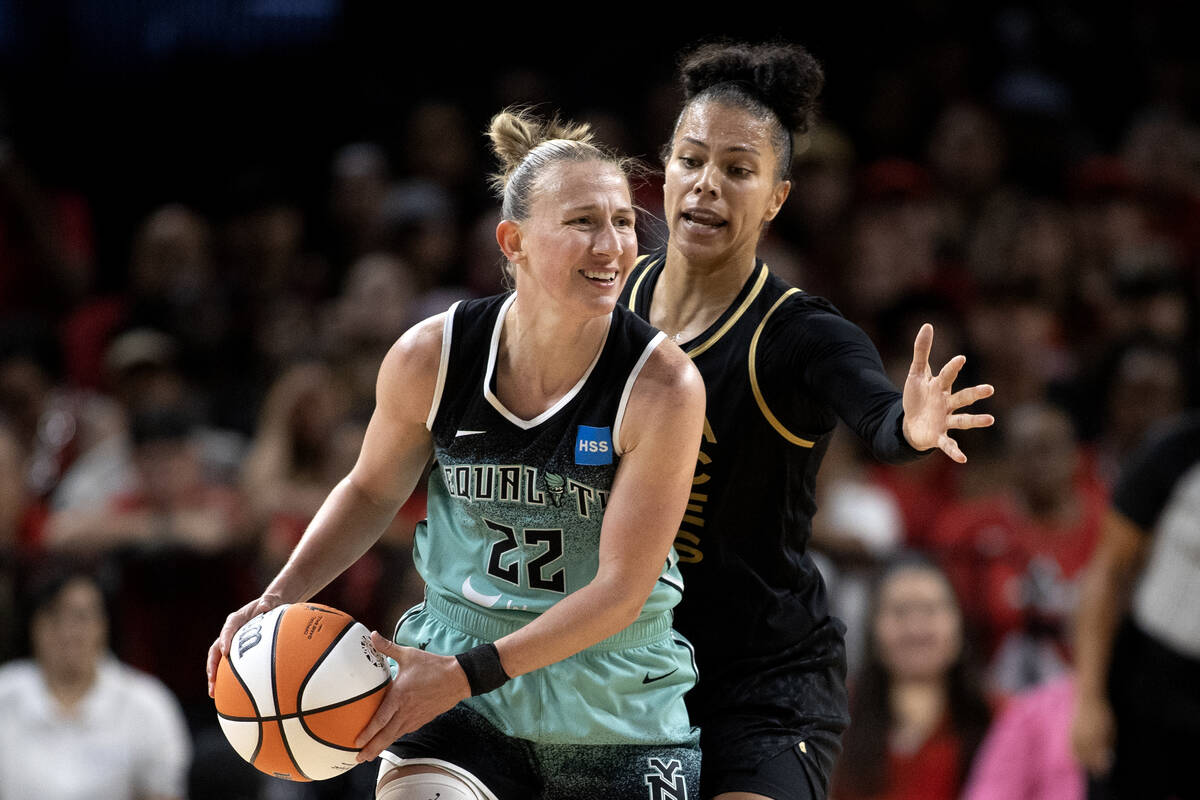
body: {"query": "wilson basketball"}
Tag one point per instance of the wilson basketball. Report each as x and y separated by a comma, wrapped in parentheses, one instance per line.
(299, 684)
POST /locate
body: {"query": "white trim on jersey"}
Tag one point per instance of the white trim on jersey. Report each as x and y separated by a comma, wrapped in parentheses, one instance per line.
(633, 374)
(443, 364)
(493, 349)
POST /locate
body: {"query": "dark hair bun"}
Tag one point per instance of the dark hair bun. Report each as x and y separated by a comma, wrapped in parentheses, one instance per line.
(783, 76)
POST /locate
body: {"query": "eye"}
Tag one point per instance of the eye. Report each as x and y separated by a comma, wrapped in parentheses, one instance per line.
(689, 162)
(623, 222)
(741, 172)
(580, 221)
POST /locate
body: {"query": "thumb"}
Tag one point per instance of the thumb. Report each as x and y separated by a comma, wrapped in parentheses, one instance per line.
(386, 646)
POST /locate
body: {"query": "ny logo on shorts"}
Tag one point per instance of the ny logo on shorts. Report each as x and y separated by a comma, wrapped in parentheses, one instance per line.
(666, 780)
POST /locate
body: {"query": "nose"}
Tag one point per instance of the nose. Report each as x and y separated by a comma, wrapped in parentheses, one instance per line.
(706, 181)
(607, 242)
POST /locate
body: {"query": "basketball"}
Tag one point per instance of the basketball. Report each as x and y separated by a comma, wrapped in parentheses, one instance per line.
(299, 684)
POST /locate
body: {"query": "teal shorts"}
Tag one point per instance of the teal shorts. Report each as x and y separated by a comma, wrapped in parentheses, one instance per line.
(627, 689)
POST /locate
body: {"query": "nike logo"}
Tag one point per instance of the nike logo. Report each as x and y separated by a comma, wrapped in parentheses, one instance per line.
(424, 644)
(476, 597)
(648, 679)
(467, 433)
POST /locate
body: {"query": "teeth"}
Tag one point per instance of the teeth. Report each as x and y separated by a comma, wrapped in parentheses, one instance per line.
(600, 276)
(703, 218)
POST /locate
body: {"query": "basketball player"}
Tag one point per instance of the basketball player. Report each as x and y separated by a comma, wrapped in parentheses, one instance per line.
(780, 367)
(564, 428)
(1137, 655)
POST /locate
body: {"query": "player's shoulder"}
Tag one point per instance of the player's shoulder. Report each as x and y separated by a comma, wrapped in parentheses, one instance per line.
(793, 301)
(669, 377)
(794, 314)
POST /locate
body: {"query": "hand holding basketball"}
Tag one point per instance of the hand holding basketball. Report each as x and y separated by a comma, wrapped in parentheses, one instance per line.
(234, 623)
(297, 686)
(425, 685)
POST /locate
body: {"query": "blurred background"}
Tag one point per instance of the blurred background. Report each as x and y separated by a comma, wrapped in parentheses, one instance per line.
(216, 216)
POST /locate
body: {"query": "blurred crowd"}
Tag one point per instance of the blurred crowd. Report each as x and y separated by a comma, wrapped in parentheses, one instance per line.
(174, 429)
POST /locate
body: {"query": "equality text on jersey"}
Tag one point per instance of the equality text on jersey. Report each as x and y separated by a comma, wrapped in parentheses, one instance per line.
(517, 483)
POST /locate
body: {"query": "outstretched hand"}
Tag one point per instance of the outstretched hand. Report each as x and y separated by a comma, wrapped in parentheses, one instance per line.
(930, 406)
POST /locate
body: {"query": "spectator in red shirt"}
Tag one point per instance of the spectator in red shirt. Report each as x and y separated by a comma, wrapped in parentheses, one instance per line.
(1015, 556)
(917, 712)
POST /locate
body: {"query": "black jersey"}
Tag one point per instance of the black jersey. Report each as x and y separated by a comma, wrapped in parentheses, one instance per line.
(1159, 489)
(516, 505)
(780, 367)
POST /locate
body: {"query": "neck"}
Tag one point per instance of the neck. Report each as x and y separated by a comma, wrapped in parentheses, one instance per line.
(69, 687)
(1057, 508)
(543, 353)
(690, 296)
(917, 705)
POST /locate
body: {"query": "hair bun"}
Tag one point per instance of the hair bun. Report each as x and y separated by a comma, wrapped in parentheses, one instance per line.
(515, 132)
(785, 77)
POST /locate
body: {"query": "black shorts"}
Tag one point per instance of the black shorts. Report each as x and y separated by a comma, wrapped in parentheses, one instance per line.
(1155, 694)
(800, 772)
(518, 769)
(774, 726)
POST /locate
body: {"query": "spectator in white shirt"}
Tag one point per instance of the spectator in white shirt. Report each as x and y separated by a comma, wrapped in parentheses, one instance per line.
(78, 724)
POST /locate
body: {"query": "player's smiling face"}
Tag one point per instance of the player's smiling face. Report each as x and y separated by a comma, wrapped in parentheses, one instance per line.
(721, 185)
(578, 244)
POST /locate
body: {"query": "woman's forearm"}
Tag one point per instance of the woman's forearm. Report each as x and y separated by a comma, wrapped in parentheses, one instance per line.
(344, 528)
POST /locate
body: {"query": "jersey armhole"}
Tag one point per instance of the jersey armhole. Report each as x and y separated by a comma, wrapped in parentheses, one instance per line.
(759, 399)
(443, 365)
(633, 375)
(643, 263)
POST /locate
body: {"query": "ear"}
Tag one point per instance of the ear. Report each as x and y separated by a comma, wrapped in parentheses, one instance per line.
(508, 236)
(782, 190)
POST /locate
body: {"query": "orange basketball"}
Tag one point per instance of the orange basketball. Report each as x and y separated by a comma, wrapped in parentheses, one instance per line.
(299, 684)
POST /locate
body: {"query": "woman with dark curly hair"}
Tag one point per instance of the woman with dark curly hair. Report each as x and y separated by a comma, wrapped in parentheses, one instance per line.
(780, 367)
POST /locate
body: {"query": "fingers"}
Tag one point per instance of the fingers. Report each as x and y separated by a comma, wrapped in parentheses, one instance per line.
(950, 448)
(949, 372)
(921, 348)
(385, 645)
(965, 421)
(369, 740)
(1093, 750)
(216, 652)
(970, 395)
(214, 660)
(378, 733)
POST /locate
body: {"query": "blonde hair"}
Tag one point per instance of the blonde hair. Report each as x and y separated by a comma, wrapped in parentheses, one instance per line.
(526, 146)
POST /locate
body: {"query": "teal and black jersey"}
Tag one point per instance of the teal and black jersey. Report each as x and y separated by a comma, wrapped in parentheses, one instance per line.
(780, 367)
(515, 506)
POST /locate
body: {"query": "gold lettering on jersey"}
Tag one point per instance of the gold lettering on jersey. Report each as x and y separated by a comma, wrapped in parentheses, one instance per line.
(688, 540)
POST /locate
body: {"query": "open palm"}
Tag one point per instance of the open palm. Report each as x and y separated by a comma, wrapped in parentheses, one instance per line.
(930, 405)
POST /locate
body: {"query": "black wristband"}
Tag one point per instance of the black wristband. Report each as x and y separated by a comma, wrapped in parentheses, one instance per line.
(483, 668)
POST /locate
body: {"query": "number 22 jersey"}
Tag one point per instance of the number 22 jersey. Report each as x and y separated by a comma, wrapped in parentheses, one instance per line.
(515, 506)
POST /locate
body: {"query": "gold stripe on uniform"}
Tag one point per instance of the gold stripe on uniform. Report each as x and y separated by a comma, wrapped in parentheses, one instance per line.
(758, 395)
(729, 323)
(637, 284)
